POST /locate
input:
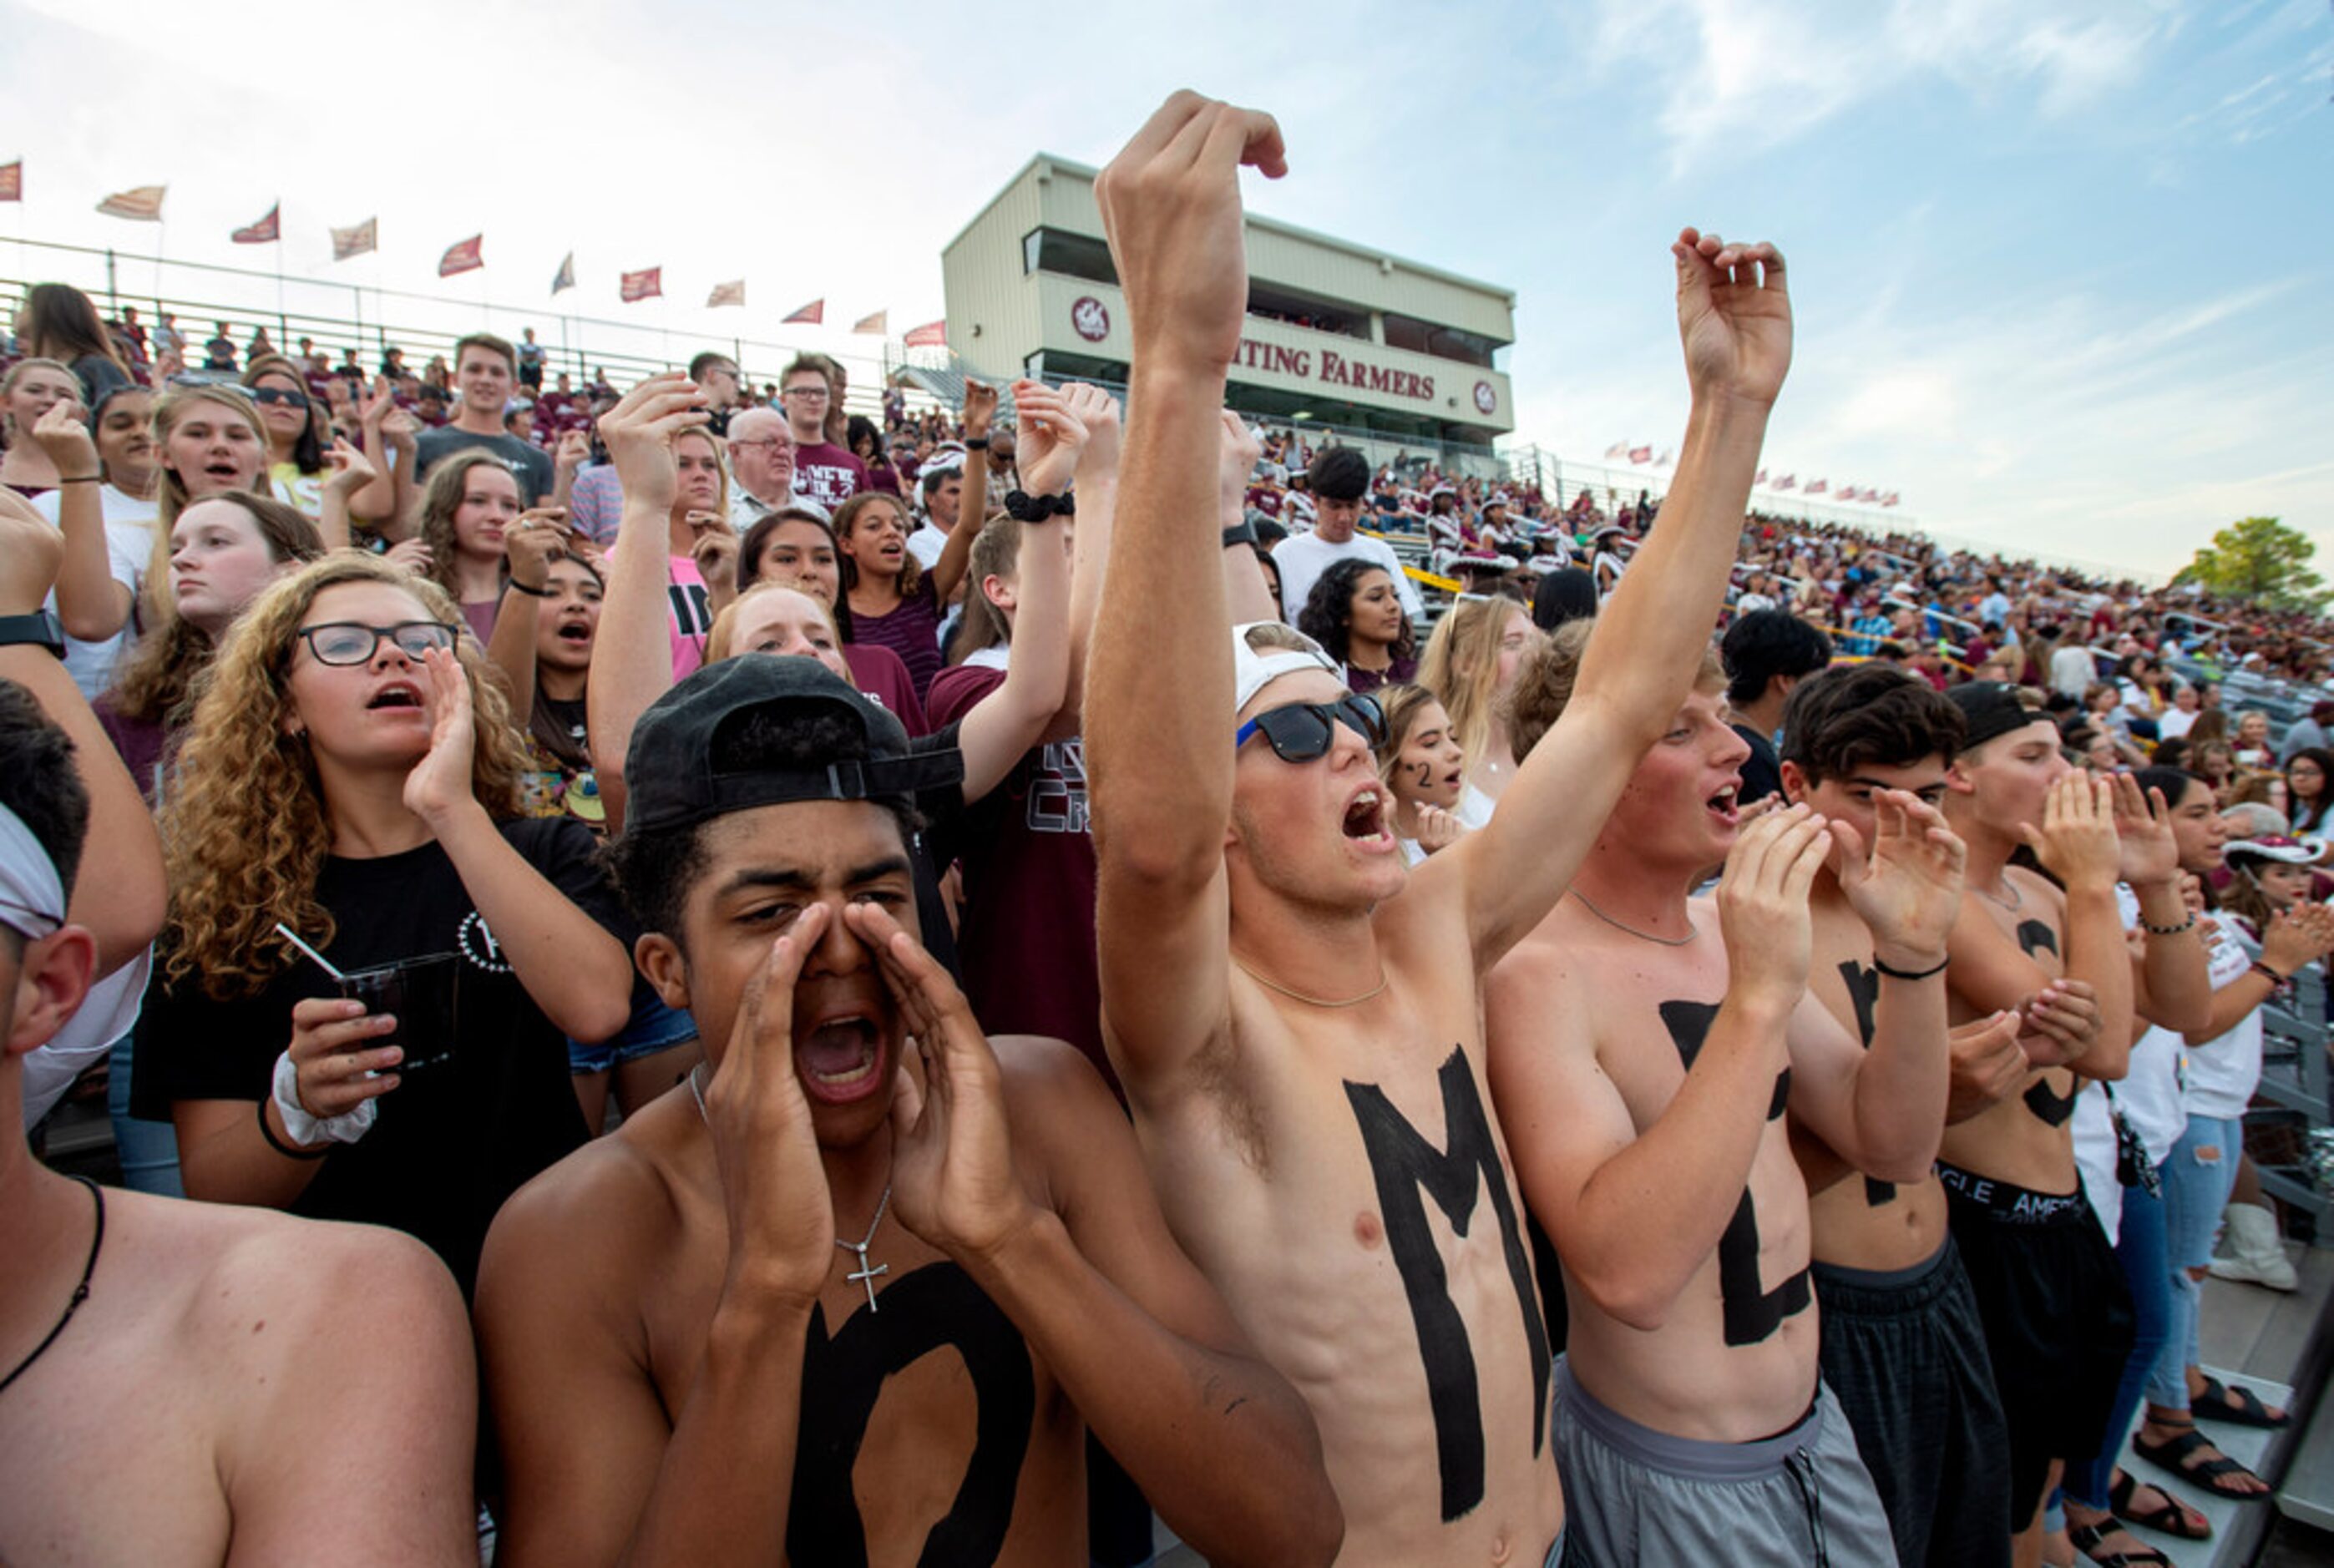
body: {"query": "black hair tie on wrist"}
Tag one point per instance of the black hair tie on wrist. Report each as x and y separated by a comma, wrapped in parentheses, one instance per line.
(1023, 507)
(1909, 974)
(282, 1147)
(514, 582)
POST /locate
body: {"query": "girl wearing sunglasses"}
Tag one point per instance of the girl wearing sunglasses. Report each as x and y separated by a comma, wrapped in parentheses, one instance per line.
(351, 773)
(303, 454)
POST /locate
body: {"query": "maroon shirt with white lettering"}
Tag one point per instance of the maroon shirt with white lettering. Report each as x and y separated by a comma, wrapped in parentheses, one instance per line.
(828, 474)
(1027, 946)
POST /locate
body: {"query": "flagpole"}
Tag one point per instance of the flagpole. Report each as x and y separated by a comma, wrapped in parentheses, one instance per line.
(283, 322)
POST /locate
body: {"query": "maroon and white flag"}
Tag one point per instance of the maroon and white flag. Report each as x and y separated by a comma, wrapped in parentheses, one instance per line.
(11, 181)
(356, 239)
(879, 324)
(813, 314)
(464, 257)
(1889, 499)
(1817, 486)
(1787, 482)
(266, 231)
(930, 335)
(645, 284)
(1641, 453)
(729, 293)
(1617, 449)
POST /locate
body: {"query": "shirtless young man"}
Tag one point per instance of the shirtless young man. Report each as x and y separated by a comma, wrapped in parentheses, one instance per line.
(2057, 1313)
(236, 1385)
(838, 1300)
(1644, 1045)
(1295, 1016)
(1902, 1346)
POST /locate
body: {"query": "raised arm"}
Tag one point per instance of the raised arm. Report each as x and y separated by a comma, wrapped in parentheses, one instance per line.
(1635, 1213)
(351, 475)
(947, 572)
(1000, 729)
(2171, 980)
(1098, 411)
(529, 545)
(90, 601)
(118, 894)
(1736, 325)
(1159, 750)
(1247, 595)
(631, 657)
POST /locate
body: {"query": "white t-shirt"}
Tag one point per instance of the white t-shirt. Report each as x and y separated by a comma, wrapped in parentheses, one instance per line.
(1303, 557)
(2173, 723)
(926, 544)
(2224, 1072)
(129, 548)
(2072, 671)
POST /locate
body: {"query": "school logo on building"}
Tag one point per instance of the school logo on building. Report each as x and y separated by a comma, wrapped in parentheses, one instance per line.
(1487, 398)
(1089, 319)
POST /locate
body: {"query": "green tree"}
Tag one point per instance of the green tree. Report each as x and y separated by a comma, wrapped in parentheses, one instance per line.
(2259, 558)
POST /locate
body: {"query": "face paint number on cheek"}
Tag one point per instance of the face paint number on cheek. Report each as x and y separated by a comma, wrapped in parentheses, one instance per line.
(1408, 1171)
(937, 1306)
(1421, 772)
(1751, 1314)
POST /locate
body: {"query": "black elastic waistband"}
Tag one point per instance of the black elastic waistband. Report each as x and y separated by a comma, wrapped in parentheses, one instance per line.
(2012, 1205)
(1884, 1293)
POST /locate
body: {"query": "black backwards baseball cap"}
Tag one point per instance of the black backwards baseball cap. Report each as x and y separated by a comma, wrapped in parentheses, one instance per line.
(1992, 707)
(670, 768)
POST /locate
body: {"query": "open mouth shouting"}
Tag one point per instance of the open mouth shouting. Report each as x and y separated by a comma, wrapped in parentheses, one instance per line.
(842, 1055)
(1721, 806)
(1364, 824)
(397, 694)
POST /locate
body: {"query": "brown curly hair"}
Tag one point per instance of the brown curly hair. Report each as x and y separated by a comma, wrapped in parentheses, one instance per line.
(846, 522)
(246, 829)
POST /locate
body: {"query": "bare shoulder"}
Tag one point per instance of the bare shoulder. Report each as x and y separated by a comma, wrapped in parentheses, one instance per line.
(602, 1196)
(1057, 1098)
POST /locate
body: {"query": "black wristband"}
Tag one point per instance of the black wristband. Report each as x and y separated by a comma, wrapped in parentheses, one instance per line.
(1908, 974)
(513, 582)
(283, 1149)
(976, 443)
(2275, 979)
(82, 479)
(1240, 533)
(1026, 508)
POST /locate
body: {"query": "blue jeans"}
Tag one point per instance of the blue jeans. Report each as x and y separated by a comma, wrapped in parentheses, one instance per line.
(2198, 1177)
(2140, 1248)
(149, 1150)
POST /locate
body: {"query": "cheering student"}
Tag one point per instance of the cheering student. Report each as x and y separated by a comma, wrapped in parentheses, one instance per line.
(894, 602)
(1471, 661)
(218, 1336)
(796, 545)
(1295, 1015)
(105, 511)
(826, 474)
(27, 392)
(2014, 1204)
(1645, 1048)
(704, 1336)
(486, 368)
(1424, 766)
(302, 448)
(351, 776)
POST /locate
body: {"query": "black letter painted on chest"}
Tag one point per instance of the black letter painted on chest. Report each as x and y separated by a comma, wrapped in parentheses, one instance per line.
(1752, 1314)
(937, 1305)
(2049, 1107)
(1863, 985)
(1408, 1171)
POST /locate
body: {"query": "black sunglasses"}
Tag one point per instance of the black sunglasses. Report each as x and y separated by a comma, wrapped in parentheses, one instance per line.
(276, 395)
(1303, 731)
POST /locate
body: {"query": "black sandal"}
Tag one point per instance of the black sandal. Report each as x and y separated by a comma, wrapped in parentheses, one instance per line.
(2238, 1406)
(2086, 1537)
(2171, 1519)
(2169, 1455)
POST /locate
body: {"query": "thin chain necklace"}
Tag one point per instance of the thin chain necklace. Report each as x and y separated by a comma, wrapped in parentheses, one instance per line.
(866, 1276)
(2017, 899)
(1384, 981)
(1641, 936)
(81, 1291)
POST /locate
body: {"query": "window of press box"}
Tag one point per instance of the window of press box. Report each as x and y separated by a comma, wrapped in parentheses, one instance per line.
(1443, 342)
(1049, 250)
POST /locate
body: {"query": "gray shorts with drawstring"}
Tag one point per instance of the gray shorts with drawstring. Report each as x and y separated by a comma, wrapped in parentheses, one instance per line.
(1633, 1496)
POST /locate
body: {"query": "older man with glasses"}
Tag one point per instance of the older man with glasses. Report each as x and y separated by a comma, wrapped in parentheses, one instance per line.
(761, 466)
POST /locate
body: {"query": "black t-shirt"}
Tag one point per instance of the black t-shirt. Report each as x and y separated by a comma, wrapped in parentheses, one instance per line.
(531, 462)
(1761, 774)
(451, 1141)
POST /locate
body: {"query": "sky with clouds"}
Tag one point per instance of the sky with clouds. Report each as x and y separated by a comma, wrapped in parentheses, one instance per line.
(2061, 268)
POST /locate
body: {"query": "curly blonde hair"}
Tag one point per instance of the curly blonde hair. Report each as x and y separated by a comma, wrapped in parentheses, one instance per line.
(246, 829)
(170, 495)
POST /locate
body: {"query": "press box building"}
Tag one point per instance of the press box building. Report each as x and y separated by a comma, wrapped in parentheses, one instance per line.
(1400, 355)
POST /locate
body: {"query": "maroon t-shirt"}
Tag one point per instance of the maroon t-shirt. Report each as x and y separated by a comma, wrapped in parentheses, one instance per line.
(913, 631)
(1027, 946)
(878, 673)
(828, 474)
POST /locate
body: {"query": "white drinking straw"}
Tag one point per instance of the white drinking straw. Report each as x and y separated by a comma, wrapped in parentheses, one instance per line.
(293, 936)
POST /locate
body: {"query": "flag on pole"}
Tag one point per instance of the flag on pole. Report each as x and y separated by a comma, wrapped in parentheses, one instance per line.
(141, 205)
(1761, 477)
(814, 313)
(647, 285)
(1641, 453)
(566, 278)
(356, 239)
(879, 324)
(1816, 488)
(930, 335)
(11, 181)
(266, 231)
(1617, 449)
(1889, 499)
(1787, 482)
(729, 293)
(464, 257)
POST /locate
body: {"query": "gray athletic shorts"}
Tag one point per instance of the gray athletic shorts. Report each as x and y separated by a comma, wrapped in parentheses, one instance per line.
(1633, 1496)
